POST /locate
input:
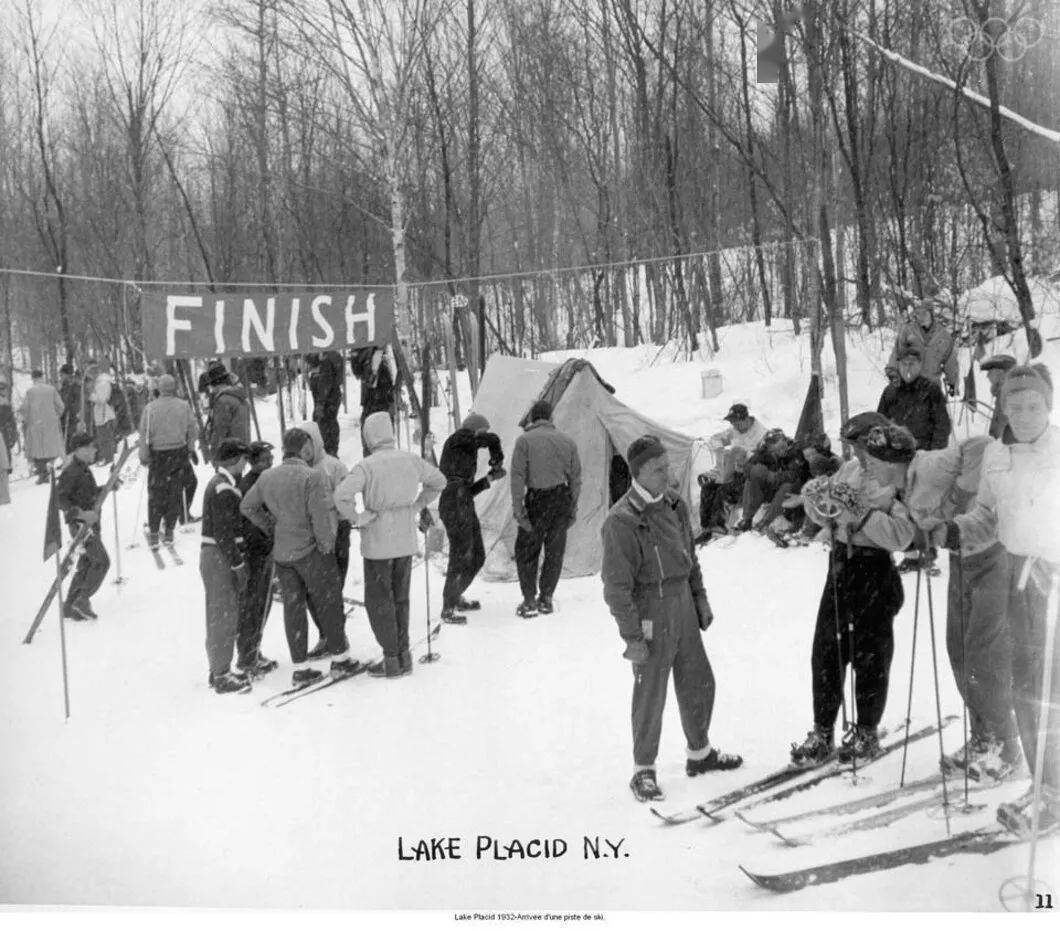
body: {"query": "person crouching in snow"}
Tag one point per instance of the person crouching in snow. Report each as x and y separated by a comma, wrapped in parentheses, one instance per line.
(942, 484)
(862, 592)
(222, 566)
(775, 470)
(1019, 501)
(654, 589)
(396, 486)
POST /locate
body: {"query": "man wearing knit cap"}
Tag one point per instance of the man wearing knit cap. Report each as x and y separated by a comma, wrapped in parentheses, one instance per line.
(996, 368)
(167, 442)
(456, 507)
(395, 486)
(917, 403)
(546, 481)
(654, 589)
(1019, 501)
(862, 593)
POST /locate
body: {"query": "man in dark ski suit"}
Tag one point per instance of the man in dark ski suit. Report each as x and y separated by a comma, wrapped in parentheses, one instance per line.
(292, 501)
(222, 566)
(257, 551)
(546, 481)
(325, 384)
(654, 589)
(229, 408)
(917, 403)
(77, 494)
(456, 507)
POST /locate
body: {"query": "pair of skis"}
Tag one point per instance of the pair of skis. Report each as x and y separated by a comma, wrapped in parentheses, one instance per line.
(279, 699)
(156, 552)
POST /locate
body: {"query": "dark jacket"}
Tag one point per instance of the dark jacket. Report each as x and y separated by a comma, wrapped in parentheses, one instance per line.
(229, 417)
(76, 490)
(459, 461)
(325, 381)
(377, 380)
(648, 557)
(222, 524)
(790, 467)
(919, 407)
(256, 542)
(8, 427)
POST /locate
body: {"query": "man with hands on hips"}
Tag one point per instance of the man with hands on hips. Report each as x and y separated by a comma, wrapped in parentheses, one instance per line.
(654, 588)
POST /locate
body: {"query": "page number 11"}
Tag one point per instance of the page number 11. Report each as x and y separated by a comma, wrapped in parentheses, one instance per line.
(1043, 901)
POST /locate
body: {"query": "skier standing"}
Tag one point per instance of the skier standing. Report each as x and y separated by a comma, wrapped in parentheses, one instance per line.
(257, 553)
(653, 587)
(934, 342)
(546, 482)
(917, 403)
(395, 485)
(456, 507)
(943, 484)
(167, 442)
(40, 411)
(293, 502)
(862, 592)
(1019, 501)
(229, 416)
(222, 566)
(325, 377)
(76, 494)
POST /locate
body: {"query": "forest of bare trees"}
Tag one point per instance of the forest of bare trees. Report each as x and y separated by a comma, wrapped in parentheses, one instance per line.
(584, 172)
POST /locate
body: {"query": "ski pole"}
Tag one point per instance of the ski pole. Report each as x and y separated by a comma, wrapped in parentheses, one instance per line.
(959, 559)
(912, 668)
(139, 505)
(1051, 607)
(938, 701)
(430, 656)
(118, 578)
(834, 572)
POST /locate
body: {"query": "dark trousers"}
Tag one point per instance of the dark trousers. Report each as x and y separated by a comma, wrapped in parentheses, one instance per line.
(105, 436)
(326, 416)
(714, 496)
(342, 550)
(979, 643)
(456, 508)
(257, 599)
(43, 469)
(761, 485)
(1028, 620)
(165, 486)
(676, 644)
(189, 485)
(91, 569)
(548, 510)
(864, 589)
(313, 576)
(222, 607)
(386, 598)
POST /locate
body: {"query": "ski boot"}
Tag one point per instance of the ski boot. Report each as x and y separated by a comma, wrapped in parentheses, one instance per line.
(715, 759)
(389, 667)
(644, 786)
(527, 609)
(450, 616)
(467, 604)
(85, 607)
(229, 683)
(1018, 816)
(860, 743)
(344, 668)
(816, 749)
(257, 666)
(306, 675)
(544, 605)
(152, 540)
(405, 662)
(72, 611)
(999, 762)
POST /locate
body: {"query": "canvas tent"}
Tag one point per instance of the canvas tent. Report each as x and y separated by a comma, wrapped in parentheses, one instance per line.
(585, 408)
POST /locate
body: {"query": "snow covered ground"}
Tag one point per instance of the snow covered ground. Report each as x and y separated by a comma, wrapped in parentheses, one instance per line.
(158, 792)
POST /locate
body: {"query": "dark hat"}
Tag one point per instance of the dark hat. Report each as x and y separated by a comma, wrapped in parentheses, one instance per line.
(737, 412)
(890, 443)
(855, 429)
(773, 436)
(910, 349)
(67, 369)
(642, 450)
(475, 422)
(1001, 361)
(231, 449)
(81, 440)
(258, 448)
(216, 374)
(36, 373)
(541, 410)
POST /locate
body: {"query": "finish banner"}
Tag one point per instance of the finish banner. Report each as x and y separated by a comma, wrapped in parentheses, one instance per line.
(201, 324)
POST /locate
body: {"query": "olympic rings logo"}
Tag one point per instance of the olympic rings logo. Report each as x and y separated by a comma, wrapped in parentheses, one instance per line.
(1009, 41)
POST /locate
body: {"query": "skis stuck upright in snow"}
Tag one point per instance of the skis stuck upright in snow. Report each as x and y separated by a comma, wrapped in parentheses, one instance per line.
(762, 791)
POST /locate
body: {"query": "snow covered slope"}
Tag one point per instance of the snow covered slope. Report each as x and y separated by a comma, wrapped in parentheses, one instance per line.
(157, 791)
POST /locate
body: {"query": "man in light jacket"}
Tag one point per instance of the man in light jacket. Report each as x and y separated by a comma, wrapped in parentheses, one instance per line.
(292, 500)
(546, 480)
(41, 409)
(396, 485)
(167, 442)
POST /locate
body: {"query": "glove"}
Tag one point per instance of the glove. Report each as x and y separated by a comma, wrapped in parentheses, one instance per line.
(425, 521)
(89, 517)
(194, 457)
(524, 522)
(951, 390)
(706, 616)
(242, 574)
(636, 652)
(496, 473)
(922, 539)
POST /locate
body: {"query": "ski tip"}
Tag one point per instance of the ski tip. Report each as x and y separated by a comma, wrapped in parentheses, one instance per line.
(754, 877)
(708, 813)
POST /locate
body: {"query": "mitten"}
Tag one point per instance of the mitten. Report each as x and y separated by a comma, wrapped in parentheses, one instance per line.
(425, 521)
(496, 473)
(636, 652)
(706, 616)
(524, 522)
